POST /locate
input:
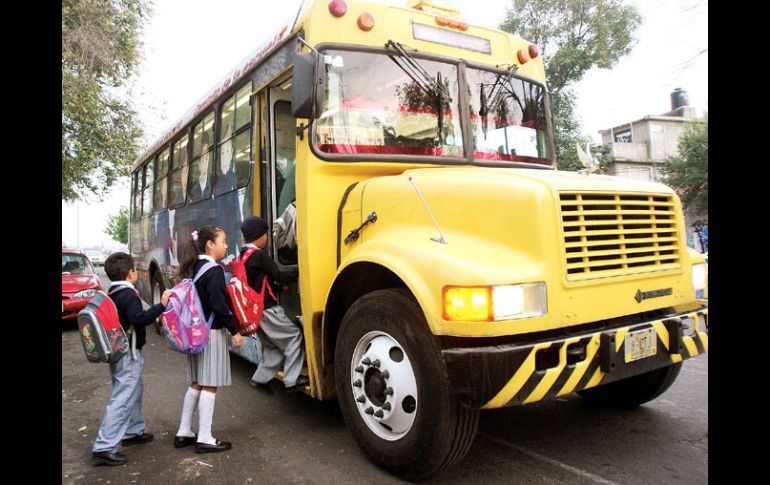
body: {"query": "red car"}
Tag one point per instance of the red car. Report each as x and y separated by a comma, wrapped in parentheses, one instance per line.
(79, 282)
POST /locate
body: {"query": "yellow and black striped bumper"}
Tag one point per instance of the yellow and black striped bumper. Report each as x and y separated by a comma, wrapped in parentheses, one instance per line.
(506, 375)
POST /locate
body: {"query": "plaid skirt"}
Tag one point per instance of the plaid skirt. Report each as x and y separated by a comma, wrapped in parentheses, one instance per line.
(211, 366)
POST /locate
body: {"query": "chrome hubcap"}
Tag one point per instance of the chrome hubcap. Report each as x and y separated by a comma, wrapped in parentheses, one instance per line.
(384, 385)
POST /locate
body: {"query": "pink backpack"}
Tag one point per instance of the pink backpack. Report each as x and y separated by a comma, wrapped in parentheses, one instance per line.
(184, 324)
(247, 304)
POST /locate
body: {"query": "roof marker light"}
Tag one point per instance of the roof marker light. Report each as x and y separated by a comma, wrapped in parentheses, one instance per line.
(366, 21)
(338, 8)
(533, 51)
(455, 24)
(523, 56)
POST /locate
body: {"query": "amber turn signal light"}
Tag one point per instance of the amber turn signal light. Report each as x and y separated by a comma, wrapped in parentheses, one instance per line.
(366, 22)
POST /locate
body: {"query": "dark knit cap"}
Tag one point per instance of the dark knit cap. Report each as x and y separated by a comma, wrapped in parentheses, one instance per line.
(252, 228)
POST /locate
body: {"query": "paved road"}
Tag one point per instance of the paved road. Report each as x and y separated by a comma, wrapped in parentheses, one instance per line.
(295, 439)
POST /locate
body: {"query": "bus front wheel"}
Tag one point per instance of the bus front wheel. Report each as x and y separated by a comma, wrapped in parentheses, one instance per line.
(393, 390)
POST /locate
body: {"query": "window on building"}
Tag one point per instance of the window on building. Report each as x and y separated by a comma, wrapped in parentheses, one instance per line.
(623, 136)
(637, 173)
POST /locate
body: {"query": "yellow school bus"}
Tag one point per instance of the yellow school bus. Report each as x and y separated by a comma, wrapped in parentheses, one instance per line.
(445, 265)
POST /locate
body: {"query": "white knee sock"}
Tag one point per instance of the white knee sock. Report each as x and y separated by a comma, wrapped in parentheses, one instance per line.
(205, 416)
(188, 408)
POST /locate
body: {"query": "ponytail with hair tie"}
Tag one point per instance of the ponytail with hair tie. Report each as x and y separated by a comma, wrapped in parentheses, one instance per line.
(196, 247)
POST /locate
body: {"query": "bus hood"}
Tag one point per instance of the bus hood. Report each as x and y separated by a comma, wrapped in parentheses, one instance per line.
(556, 180)
(510, 226)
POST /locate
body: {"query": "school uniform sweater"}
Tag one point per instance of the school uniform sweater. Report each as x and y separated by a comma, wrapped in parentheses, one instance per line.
(132, 316)
(213, 295)
(259, 265)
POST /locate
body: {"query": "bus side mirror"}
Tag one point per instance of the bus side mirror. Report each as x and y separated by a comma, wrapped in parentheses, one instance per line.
(304, 101)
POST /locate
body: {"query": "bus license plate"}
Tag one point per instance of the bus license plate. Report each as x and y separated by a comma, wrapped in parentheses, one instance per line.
(640, 344)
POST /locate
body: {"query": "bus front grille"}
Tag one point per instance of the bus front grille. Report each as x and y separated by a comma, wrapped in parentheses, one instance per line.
(609, 234)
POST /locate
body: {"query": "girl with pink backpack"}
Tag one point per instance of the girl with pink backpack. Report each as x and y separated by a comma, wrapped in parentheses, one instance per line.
(210, 368)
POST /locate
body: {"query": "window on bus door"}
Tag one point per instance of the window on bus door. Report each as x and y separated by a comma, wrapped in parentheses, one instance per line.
(161, 180)
(179, 169)
(285, 155)
(234, 142)
(508, 118)
(202, 166)
(374, 107)
(149, 175)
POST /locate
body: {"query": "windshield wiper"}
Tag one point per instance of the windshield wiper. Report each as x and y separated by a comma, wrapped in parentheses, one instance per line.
(432, 87)
(494, 95)
(414, 70)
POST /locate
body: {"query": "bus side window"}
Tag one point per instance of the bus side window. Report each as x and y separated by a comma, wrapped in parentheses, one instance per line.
(202, 166)
(178, 173)
(161, 181)
(234, 142)
(149, 185)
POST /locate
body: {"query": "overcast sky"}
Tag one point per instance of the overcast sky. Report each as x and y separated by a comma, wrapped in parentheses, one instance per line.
(189, 45)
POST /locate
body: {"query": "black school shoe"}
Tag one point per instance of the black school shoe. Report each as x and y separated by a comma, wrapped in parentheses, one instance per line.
(302, 381)
(139, 439)
(182, 441)
(265, 388)
(218, 446)
(109, 458)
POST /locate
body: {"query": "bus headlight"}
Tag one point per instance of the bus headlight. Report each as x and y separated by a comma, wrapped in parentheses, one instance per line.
(699, 277)
(519, 301)
(494, 303)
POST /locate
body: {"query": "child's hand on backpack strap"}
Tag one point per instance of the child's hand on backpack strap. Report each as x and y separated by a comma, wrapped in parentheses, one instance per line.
(164, 297)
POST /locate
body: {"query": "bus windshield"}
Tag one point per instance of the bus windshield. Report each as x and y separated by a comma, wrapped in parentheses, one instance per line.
(508, 118)
(374, 105)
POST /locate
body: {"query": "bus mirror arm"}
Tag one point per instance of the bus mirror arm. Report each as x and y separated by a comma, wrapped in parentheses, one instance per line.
(302, 128)
(304, 42)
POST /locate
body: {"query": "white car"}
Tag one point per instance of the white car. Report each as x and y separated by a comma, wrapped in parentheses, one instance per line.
(96, 257)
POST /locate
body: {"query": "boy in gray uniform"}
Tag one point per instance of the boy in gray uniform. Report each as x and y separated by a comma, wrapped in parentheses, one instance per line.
(281, 338)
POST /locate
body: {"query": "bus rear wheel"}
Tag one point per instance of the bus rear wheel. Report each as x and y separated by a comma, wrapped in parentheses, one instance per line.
(393, 390)
(633, 391)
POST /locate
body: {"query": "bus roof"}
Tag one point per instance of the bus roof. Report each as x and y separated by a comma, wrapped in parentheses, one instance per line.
(285, 29)
(281, 35)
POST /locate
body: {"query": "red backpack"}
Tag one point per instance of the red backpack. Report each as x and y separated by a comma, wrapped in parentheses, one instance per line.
(101, 334)
(247, 304)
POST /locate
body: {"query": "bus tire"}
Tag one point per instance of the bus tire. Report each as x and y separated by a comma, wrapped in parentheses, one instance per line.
(156, 290)
(425, 430)
(633, 391)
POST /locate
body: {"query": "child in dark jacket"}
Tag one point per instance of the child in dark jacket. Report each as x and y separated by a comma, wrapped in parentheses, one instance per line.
(123, 420)
(281, 339)
(210, 368)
